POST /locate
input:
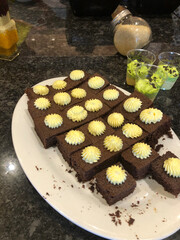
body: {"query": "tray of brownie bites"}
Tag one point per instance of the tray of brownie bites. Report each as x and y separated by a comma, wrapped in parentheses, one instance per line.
(79, 138)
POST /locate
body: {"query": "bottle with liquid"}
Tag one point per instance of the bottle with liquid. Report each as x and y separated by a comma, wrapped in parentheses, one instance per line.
(8, 33)
(130, 32)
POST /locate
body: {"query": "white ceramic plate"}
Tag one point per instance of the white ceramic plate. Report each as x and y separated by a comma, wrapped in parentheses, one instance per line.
(156, 213)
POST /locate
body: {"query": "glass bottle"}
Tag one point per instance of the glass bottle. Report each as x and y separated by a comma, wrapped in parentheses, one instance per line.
(8, 33)
(129, 32)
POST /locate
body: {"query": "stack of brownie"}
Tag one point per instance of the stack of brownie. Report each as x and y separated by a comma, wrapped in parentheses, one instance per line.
(135, 168)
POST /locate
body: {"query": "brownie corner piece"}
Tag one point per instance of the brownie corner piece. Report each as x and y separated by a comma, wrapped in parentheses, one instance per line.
(169, 183)
(138, 168)
(114, 193)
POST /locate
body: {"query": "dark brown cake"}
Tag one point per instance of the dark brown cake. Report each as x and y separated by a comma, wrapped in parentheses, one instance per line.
(31, 95)
(94, 139)
(113, 193)
(131, 141)
(86, 171)
(156, 130)
(67, 149)
(146, 103)
(112, 103)
(137, 167)
(73, 84)
(94, 91)
(170, 184)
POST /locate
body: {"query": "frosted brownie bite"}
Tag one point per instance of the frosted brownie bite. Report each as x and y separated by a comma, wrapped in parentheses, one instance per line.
(70, 142)
(96, 130)
(131, 133)
(95, 83)
(38, 91)
(138, 158)
(155, 123)
(133, 105)
(111, 95)
(75, 78)
(114, 183)
(166, 171)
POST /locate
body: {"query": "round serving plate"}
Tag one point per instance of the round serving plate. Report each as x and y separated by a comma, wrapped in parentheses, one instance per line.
(149, 213)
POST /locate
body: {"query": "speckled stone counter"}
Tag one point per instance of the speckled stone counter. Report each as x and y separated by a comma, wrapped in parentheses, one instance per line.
(57, 43)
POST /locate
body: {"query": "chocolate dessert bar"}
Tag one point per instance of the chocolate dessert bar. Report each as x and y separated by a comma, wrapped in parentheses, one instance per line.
(113, 193)
(67, 149)
(137, 167)
(112, 103)
(170, 183)
(91, 90)
(156, 130)
(131, 116)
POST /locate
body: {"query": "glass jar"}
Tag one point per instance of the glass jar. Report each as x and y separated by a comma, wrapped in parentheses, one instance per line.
(129, 32)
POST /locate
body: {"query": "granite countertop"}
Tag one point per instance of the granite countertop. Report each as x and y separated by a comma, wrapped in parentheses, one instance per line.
(57, 43)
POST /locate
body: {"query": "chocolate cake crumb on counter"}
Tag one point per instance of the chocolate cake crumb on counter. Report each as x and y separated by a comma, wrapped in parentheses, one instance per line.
(103, 134)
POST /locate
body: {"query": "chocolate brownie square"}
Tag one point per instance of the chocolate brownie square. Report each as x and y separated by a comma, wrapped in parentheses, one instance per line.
(111, 103)
(91, 90)
(104, 110)
(137, 167)
(75, 83)
(170, 184)
(86, 171)
(67, 149)
(146, 103)
(130, 141)
(113, 193)
(54, 91)
(108, 131)
(32, 95)
(156, 130)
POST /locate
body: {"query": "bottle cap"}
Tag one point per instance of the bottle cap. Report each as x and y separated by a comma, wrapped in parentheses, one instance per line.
(119, 13)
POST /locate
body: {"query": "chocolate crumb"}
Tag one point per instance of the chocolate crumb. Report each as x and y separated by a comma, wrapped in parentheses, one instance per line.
(131, 221)
(158, 147)
(47, 194)
(54, 186)
(72, 186)
(83, 186)
(169, 134)
(92, 188)
(37, 168)
(59, 188)
(137, 237)
(118, 213)
(116, 207)
(70, 171)
(111, 214)
(134, 205)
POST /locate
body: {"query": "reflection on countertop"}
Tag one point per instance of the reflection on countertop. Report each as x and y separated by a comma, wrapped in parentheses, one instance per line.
(58, 42)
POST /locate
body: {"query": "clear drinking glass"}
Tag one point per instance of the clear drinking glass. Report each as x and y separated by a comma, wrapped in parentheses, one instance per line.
(149, 81)
(136, 58)
(170, 63)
